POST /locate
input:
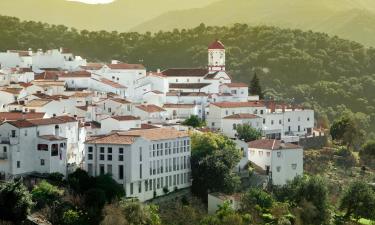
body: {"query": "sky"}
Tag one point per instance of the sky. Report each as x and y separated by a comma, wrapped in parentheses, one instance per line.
(93, 1)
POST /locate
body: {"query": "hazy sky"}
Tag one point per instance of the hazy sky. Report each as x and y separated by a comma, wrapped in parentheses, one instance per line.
(93, 1)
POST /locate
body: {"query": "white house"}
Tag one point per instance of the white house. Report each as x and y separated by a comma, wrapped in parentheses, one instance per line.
(182, 111)
(150, 113)
(281, 161)
(231, 122)
(115, 106)
(215, 200)
(146, 162)
(119, 123)
(239, 91)
(76, 79)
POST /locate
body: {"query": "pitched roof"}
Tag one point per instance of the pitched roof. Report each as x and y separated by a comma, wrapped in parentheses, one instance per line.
(211, 75)
(125, 66)
(111, 83)
(167, 105)
(21, 123)
(82, 73)
(20, 115)
(48, 75)
(188, 85)
(271, 144)
(238, 104)
(185, 72)
(38, 102)
(186, 94)
(14, 91)
(236, 85)
(92, 66)
(242, 116)
(157, 133)
(216, 45)
(150, 108)
(84, 108)
(125, 118)
(120, 100)
(80, 94)
(25, 85)
(52, 137)
(114, 138)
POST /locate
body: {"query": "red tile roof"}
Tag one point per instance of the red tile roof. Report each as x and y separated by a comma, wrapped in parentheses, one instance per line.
(25, 85)
(188, 85)
(187, 94)
(216, 45)
(242, 116)
(120, 100)
(20, 115)
(185, 72)
(158, 133)
(92, 66)
(179, 105)
(150, 108)
(52, 137)
(82, 73)
(111, 83)
(21, 123)
(14, 91)
(270, 144)
(238, 104)
(236, 85)
(125, 118)
(126, 66)
(115, 138)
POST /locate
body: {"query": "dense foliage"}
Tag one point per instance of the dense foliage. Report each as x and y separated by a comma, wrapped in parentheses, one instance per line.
(213, 157)
(194, 121)
(247, 133)
(326, 73)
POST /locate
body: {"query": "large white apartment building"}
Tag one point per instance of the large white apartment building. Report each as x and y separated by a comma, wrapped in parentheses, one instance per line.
(146, 161)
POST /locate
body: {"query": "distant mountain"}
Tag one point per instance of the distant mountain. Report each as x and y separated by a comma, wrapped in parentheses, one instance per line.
(352, 19)
(119, 15)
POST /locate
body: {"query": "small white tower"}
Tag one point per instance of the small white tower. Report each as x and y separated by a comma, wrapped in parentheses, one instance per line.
(216, 56)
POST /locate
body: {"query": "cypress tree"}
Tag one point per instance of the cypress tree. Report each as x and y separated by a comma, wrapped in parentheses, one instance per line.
(255, 88)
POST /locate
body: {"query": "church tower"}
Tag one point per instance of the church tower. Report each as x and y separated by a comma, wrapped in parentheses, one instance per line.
(216, 56)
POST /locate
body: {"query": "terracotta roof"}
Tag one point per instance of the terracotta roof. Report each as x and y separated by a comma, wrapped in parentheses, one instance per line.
(52, 137)
(120, 100)
(21, 123)
(147, 126)
(92, 66)
(236, 85)
(186, 94)
(82, 73)
(19, 115)
(111, 83)
(25, 85)
(188, 85)
(48, 75)
(216, 45)
(14, 91)
(115, 138)
(66, 119)
(125, 66)
(125, 118)
(185, 72)
(211, 75)
(21, 53)
(272, 145)
(84, 108)
(80, 94)
(158, 133)
(150, 108)
(38, 102)
(178, 105)
(238, 104)
(242, 116)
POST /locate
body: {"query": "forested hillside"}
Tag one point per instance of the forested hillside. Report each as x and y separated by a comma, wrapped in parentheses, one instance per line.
(327, 73)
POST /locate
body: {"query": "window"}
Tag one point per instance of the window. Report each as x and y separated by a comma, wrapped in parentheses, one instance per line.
(294, 166)
(139, 186)
(131, 188)
(121, 172)
(121, 151)
(268, 154)
(90, 149)
(42, 162)
(226, 112)
(213, 124)
(109, 157)
(264, 121)
(280, 122)
(278, 168)
(42, 147)
(18, 164)
(288, 119)
(25, 132)
(271, 122)
(101, 169)
(121, 158)
(89, 157)
(4, 149)
(109, 150)
(308, 118)
(101, 157)
(13, 134)
(261, 112)
(109, 169)
(278, 154)
(260, 153)
(89, 169)
(140, 171)
(54, 149)
(101, 149)
(140, 154)
(234, 126)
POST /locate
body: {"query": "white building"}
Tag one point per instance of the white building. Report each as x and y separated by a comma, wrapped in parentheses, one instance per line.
(231, 122)
(146, 162)
(119, 123)
(281, 161)
(182, 111)
(151, 113)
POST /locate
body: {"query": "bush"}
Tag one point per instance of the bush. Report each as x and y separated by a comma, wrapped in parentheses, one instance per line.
(45, 194)
(256, 197)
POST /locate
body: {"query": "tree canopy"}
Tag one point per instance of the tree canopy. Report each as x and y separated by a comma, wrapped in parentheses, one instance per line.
(247, 133)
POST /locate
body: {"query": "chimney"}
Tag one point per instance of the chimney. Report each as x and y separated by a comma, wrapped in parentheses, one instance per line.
(283, 107)
(158, 71)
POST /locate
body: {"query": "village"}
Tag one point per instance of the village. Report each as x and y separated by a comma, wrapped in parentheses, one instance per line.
(60, 112)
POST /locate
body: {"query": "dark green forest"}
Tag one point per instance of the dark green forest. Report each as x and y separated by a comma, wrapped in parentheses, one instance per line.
(327, 73)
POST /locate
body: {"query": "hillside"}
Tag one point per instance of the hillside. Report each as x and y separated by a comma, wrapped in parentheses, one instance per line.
(326, 73)
(119, 15)
(336, 17)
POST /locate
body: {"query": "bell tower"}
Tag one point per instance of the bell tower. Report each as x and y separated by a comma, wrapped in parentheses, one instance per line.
(216, 56)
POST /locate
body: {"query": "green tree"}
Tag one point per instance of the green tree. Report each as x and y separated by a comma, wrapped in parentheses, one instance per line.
(15, 201)
(368, 149)
(193, 121)
(111, 188)
(46, 194)
(72, 217)
(359, 201)
(79, 181)
(255, 197)
(213, 158)
(255, 88)
(247, 133)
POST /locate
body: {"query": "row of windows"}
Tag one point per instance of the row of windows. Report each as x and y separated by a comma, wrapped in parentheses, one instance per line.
(169, 165)
(260, 153)
(169, 148)
(162, 182)
(293, 166)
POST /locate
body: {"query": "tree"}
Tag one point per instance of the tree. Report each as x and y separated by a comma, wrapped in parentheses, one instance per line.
(255, 88)
(111, 188)
(247, 133)
(359, 201)
(368, 149)
(213, 158)
(45, 194)
(255, 197)
(193, 121)
(15, 201)
(72, 217)
(79, 181)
